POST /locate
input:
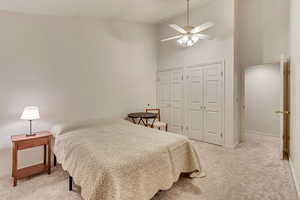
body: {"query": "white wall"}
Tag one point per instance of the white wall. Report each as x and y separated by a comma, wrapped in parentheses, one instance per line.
(222, 47)
(262, 98)
(72, 68)
(264, 31)
(295, 96)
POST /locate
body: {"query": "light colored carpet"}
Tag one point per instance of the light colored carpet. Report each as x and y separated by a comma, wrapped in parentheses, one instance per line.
(252, 171)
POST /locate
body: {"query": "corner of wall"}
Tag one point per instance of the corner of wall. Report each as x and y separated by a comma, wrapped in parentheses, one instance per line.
(295, 178)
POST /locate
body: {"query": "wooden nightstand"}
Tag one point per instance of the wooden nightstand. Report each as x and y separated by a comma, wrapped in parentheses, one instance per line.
(21, 142)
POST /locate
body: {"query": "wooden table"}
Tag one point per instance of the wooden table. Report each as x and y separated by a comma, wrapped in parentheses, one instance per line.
(142, 116)
(21, 142)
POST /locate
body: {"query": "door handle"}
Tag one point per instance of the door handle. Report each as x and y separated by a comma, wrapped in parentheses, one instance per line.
(282, 112)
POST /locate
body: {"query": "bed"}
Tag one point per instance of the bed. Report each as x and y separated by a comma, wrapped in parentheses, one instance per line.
(118, 160)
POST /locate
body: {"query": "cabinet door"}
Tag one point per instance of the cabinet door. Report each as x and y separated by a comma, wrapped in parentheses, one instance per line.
(194, 103)
(177, 102)
(164, 96)
(213, 104)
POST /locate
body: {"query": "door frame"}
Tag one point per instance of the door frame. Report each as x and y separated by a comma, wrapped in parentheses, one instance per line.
(199, 65)
(286, 112)
(285, 109)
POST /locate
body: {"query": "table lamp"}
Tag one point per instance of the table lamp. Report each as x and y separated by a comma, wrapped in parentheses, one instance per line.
(30, 113)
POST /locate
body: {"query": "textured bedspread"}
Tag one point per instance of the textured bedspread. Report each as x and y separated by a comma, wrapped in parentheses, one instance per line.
(117, 160)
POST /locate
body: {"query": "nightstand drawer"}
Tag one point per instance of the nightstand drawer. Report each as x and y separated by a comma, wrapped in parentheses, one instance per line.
(32, 143)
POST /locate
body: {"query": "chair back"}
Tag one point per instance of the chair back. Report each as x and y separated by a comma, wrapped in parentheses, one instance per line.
(154, 110)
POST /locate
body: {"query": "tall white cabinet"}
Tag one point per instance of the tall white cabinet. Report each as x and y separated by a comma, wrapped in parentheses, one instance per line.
(191, 100)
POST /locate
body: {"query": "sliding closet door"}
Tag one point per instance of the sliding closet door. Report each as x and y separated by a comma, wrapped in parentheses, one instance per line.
(213, 104)
(164, 96)
(177, 102)
(194, 103)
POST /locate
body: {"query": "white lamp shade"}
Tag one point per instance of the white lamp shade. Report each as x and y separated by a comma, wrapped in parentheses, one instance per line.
(30, 113)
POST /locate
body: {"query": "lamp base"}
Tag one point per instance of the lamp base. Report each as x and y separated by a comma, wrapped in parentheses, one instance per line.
(30, 134)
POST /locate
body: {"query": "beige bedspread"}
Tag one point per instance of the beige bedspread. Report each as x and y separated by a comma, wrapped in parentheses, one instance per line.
(117, 160)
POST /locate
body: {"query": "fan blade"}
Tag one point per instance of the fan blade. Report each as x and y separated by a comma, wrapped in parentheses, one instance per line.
(203, 36)
(171, 38)
(202, 27)
(178, 28)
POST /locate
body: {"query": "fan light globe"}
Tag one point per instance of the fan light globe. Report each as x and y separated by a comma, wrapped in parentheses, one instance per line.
(195, 39)
(187, 40)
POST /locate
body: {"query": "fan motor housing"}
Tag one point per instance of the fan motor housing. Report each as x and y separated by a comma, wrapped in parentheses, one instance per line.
(189, 28)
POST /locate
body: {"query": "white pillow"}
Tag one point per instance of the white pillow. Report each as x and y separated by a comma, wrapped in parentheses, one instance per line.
(62, 128)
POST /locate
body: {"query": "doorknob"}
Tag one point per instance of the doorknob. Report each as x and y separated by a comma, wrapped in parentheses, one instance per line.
(282, 112)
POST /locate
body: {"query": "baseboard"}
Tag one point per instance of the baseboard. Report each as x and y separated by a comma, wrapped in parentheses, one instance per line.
(294, 177)
(261, 133)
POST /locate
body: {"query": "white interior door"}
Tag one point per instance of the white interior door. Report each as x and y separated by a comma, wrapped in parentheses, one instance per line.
(213, 104)
(164, 96)
(194, 103)
(177, 102)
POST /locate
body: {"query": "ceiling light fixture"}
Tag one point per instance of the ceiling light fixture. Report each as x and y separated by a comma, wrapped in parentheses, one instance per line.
(190, 35)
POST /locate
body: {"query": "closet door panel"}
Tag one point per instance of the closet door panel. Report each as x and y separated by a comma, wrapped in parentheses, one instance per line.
(213, 104)
(195, 129)
(164, 96)
(177, 102)
(165, 113)
(176, 119)
(191, 102)
(194, 103)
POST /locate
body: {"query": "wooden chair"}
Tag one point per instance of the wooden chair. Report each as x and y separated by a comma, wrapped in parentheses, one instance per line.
(157, 124)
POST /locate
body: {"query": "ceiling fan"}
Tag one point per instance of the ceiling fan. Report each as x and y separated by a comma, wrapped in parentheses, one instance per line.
(189, 35)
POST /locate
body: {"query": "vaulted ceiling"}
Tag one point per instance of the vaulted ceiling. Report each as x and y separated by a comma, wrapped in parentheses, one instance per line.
(146, 11)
